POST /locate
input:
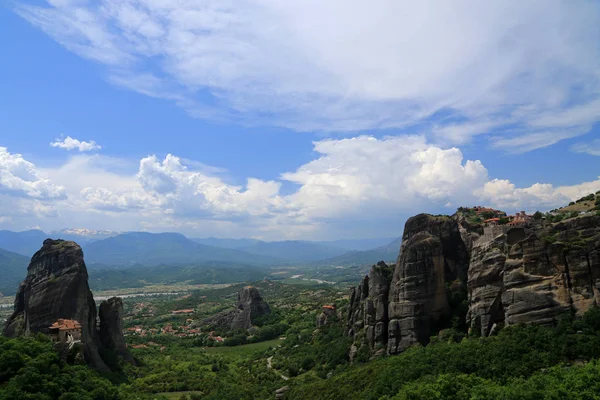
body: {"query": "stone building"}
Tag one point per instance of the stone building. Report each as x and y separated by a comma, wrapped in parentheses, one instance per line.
(65, 331)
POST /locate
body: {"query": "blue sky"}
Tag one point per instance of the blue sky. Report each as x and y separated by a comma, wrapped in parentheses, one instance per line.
(292, 120)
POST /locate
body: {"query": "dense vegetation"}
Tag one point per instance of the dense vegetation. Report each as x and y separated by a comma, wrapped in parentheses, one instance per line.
(31, 369)
(541, 361)
(520, 362)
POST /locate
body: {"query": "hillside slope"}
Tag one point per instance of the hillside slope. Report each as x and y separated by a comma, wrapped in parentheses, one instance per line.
(295, 250)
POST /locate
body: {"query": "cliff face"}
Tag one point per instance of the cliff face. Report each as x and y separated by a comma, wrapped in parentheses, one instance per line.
(111, 327)
(250, 305)
(56, 287)
(433, 262)
(533, 275)
(368, 312)
(449, 272)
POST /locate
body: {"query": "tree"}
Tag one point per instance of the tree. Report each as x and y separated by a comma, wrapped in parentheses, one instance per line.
(538, 215)
(488, 214)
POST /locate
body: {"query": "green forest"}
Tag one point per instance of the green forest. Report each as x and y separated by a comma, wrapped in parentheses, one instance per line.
(519, 362)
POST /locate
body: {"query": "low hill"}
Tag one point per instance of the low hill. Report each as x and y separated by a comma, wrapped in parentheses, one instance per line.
(295, 250)
(206, 273)
(226, 243)
(359, 244)
(590, 202)
(13, 269)
(388, 253)
(152, 249)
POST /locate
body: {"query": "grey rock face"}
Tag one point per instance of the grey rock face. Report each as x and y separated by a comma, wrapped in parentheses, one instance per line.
(528, 274)
(111, 329)
(433, 262)
(56, 287)
(250, 305)
(533, 275)
(368, 310)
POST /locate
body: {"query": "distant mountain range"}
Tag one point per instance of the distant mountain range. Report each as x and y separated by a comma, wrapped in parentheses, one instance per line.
(388, 253)
(345, 244)
(13, 268)
(25, 243)
(104, 249)
(151, 249)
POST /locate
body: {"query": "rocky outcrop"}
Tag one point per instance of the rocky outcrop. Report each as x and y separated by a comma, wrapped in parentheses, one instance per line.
(453, 273)
(431, 269)
(111, 327)
(534, 274)
(368, 312)
(393, 308)
(250, 305)
(56, 287)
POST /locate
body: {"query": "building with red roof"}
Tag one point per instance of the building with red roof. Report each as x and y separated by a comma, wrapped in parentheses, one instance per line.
(65, 330)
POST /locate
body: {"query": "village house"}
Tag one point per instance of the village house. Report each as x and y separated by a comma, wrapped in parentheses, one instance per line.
(480, 211)
(519, 218)
(182, 312)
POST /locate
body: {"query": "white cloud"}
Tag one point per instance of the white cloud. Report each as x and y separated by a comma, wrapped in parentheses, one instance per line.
(19, 177)
(352, 184)
(358, 187)
(592, 148)
(509, 67)
(504, 194)
(69, 143)
(525, 143)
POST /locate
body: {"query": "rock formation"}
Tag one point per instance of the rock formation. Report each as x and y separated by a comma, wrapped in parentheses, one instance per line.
(534, 274)
(56, 287)
(504, 275)
(431, 268)
(111, 327)
(250, 305)
(368, 311)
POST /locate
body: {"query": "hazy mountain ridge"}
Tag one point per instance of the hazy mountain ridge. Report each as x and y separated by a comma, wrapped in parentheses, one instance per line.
(170, 257)
(25, 243)
(13, 267)
(164, 248)
(388, 252)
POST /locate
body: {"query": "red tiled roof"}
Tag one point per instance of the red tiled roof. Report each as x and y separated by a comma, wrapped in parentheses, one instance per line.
(329, 307)
(66, 325)
(492, 220)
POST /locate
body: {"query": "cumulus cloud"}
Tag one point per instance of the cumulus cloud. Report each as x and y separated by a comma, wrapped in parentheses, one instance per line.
(455, 69)
(69, 143)
(19, 177)
(395, 173)
(352, 184)
(184, 191)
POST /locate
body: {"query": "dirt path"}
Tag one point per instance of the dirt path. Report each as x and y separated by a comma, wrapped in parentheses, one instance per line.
(270, 366)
